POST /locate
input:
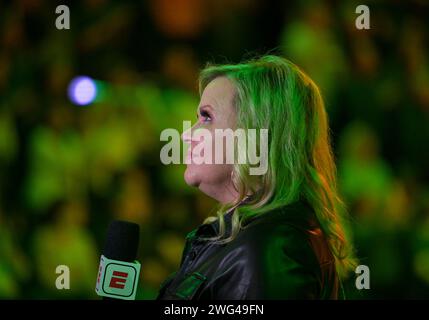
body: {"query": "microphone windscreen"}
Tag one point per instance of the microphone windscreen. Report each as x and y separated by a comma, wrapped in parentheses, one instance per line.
(122, 241)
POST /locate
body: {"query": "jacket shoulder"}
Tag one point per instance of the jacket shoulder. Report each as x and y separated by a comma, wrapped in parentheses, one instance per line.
(281, 237)
(293, 230)
(283, 253)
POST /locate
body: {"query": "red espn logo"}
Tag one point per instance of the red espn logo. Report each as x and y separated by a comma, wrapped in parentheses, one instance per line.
(118, 280)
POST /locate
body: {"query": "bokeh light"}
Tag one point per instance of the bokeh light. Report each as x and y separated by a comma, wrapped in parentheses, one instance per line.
(82, 90)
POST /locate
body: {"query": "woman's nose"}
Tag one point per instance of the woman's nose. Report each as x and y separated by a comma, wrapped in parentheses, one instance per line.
(193, 134)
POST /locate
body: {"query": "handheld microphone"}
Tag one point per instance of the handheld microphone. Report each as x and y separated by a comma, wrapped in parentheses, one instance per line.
(119, 270)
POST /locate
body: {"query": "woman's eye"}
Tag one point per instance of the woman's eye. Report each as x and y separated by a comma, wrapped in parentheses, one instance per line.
(205, 116)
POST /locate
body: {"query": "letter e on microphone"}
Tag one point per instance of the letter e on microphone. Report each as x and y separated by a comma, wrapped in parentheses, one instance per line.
(117, 279)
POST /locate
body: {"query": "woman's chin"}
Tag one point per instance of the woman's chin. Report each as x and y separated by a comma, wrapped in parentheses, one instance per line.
(191, 178)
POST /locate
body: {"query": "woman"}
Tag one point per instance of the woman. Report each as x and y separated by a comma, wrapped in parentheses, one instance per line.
(277, 235)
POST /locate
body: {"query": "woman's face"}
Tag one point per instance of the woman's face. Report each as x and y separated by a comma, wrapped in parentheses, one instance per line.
(215, 111)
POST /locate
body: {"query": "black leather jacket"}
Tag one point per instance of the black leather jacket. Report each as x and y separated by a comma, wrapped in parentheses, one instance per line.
(279, 255)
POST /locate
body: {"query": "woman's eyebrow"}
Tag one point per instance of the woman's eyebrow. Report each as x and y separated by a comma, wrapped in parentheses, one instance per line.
(203, 106)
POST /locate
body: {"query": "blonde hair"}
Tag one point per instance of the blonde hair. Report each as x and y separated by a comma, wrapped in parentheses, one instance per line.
(273, 93)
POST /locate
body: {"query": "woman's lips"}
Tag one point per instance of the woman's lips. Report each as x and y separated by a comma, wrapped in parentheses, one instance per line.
(191, 157)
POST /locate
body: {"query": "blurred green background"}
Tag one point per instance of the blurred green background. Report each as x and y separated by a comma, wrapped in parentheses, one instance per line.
(67, 171)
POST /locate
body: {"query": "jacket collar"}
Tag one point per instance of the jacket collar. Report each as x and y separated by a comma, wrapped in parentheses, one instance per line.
(211, 229)
(298, 210)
